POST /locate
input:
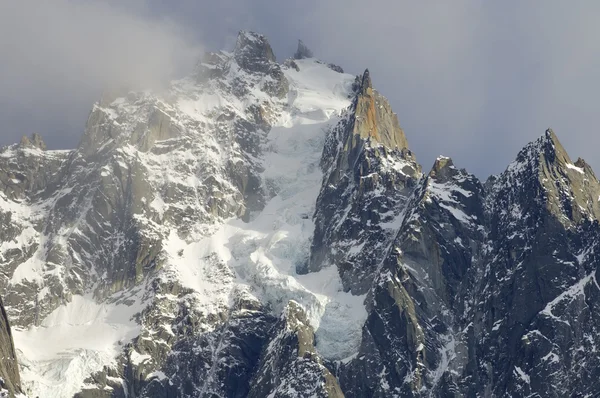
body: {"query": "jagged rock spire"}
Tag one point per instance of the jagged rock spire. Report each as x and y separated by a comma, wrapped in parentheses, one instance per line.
(366, 83)
(254, 54)
(441, 169)
(253, 51)
(35, 141)
(568, 190)
(374, 118)
(9, 369)
(303, 51)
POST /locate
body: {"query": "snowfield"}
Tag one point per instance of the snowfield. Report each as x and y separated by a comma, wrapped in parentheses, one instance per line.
(256, 258)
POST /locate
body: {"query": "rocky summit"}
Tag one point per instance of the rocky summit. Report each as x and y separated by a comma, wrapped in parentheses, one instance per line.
(262, 229)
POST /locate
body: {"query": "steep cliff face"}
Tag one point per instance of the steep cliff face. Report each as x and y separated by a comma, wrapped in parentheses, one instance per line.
(368, 174)
(10, 381)
(263, 229)
(173, 230)
(487, 288)
(543, 225)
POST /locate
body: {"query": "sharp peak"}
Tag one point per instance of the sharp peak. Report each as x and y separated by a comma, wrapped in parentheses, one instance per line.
(363, 83)
(374, 118)
(550, 136)
(441, 162)
(247, 38)
(303, 51)
(443, 169)
(249, 41)
(35, 141)
(548, 144)
(250, 34)
(366, 79)
(547, 150)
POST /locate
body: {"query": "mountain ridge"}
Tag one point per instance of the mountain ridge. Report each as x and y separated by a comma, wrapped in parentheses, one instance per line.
(267, 227)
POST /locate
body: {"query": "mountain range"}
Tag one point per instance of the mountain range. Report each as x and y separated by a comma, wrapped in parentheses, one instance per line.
(262, 229)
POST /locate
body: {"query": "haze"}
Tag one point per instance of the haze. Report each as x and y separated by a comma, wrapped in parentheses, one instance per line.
(469, 79)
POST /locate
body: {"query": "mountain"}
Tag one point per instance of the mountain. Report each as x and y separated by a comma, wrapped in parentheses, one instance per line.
(263, 229)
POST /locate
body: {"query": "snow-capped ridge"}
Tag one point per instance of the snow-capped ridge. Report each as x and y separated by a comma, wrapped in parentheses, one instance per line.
(262, 229)
(154, 195)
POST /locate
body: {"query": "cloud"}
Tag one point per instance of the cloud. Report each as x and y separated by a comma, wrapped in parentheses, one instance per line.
(58, 56)
(469, 79)
(473, 80)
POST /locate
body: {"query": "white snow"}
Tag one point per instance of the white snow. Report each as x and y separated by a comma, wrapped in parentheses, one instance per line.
(157, 375)
(573, 167)
(457, 213)
(137, 358)
(75, 340)
(264, 253)
(445, 194)
(497, 324)
(217, 262)
(447, 355)
(551, 357)
(574, 291)
(522, 375)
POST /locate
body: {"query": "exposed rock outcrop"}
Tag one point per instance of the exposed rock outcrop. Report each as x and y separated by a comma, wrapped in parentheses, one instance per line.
(369, 173)
(264, 230)
(9, 367)
(291, 366)
(303, 51)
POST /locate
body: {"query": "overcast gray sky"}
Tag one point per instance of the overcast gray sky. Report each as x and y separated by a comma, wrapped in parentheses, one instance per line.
(474, 80)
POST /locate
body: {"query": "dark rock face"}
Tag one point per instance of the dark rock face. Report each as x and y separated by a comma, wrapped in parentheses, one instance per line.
(290, 365)
(302, 51)
(369, 172)
(543, 227)
(221, 362)
(335, 68)
(486, 291)
(252, 51)
(10, 381)
(254, 54)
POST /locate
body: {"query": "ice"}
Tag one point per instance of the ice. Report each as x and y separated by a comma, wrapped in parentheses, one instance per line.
(264, 253)
(216, 262)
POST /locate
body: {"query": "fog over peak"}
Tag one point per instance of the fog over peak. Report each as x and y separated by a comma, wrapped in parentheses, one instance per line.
(471, 80)
(59, 56)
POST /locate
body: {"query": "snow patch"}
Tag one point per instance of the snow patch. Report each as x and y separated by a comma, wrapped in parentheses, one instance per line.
(573, 167)
(75, 340)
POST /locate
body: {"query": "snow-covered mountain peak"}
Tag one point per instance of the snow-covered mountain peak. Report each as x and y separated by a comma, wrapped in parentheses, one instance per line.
(180, 203)
(262, 229)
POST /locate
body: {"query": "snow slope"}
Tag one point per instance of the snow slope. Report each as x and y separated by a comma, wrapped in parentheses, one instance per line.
(74, 341)
(257, 258)
(264, 253)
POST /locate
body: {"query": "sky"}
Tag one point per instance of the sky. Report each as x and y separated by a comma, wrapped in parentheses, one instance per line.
(474, 80)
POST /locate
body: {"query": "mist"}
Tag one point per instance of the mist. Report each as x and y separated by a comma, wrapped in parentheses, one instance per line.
(468, 79)
(58, 56)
